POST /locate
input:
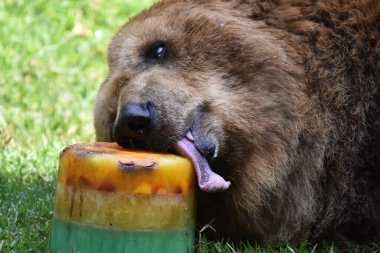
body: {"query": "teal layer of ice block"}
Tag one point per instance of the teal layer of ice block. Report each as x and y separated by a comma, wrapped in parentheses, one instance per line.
(91, 239)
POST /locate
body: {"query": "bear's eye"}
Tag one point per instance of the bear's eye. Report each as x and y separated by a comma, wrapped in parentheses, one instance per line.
(156, 52)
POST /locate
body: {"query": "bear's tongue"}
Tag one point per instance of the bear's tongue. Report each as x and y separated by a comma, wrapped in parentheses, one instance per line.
(208, 180)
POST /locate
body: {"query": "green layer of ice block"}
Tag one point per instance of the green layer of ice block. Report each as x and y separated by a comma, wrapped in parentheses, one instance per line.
(92, 239)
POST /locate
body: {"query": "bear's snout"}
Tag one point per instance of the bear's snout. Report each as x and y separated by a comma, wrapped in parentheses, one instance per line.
(134, 121)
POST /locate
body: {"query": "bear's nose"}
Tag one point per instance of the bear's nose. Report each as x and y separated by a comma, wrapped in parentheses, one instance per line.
(134, 122)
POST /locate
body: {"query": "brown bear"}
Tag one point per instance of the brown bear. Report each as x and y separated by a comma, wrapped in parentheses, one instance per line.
(277, 104)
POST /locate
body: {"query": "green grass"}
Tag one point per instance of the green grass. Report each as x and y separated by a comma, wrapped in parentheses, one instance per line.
(52, 60)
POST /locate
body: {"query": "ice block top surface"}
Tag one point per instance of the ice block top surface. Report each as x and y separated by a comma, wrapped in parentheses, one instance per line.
(108, 167)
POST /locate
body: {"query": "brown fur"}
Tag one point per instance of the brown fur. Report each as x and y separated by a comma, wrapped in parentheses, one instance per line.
(289, 91)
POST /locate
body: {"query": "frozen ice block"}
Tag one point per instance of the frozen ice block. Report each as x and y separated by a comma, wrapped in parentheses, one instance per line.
(109, 199)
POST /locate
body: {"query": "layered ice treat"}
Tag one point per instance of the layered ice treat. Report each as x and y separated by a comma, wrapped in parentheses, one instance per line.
(109, 199)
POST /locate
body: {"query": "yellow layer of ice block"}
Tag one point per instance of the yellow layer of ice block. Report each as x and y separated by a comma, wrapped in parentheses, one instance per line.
(108, 167)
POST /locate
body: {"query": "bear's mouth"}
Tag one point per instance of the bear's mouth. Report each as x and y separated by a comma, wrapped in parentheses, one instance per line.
(187, 146)
(190, 144)
(208, 181)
